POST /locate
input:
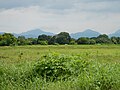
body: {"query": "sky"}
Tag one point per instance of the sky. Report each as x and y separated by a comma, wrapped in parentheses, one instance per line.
(59, 15)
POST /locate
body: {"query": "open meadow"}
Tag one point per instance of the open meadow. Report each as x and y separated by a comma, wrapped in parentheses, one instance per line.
(60, 67)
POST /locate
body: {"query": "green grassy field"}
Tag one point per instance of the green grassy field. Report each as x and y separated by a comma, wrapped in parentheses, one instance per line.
(60, 67)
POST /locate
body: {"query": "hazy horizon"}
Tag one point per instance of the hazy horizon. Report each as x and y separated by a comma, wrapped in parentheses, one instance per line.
(57, 16)
(60, 31)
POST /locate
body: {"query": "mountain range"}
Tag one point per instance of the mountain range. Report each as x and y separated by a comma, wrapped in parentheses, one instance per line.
(87, 33)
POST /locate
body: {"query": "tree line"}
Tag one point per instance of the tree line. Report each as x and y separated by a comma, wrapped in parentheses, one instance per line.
(8, 39)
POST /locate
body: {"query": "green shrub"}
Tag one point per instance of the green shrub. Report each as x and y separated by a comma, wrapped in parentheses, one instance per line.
(58, 67)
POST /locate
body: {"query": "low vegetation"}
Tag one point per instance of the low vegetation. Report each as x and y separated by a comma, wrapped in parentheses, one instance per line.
(93, 67)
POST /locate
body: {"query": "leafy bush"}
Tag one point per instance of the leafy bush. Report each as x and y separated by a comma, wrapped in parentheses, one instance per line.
(58, 67)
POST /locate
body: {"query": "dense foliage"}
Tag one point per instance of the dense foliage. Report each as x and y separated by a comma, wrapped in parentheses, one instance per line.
(7, 39)
(62, 38)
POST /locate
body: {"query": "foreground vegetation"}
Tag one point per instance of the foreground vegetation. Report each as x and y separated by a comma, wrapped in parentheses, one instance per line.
(64, 67)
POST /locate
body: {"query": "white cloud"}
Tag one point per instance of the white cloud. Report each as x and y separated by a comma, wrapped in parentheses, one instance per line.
(60, 15)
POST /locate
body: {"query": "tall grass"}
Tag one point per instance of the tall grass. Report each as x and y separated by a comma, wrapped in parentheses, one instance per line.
(62, 72)
(52, 70)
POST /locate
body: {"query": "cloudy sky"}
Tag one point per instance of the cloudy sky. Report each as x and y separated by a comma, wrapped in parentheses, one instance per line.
(60, 15)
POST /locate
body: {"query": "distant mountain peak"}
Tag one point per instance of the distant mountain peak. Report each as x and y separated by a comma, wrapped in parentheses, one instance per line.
(35, 33)
(87, 33)
(116, 34)
(88, 30)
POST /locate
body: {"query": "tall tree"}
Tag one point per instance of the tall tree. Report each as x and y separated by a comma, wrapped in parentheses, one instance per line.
(7, 39)
(83, 40)
(52, 40)
(43, 39)
(32, 41)
(118, 40)
(63, 38)
(114, 40)
(21, 40)
(103, 39)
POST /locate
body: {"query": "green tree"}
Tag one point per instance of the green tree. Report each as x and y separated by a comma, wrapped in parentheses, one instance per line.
(83, 40)
(92, 41)
(1, 40)
(114, 40)
(1, 37)
(72, 41)
(63, 38)
(21, 40)
(118, 40)
(32, 41)
(52, 40)
(43, 42)
(103, 39)
(43, 39)
(7, 39)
